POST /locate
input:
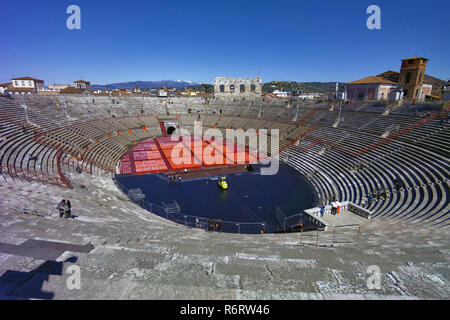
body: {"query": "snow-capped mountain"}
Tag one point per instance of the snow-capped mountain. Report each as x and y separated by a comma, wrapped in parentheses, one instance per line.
(178, 84)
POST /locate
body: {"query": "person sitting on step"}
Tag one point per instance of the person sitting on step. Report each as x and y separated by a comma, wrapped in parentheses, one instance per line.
(61, 207)
(67, 210)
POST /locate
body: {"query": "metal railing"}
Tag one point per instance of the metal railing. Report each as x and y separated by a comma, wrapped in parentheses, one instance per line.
(32, 175)
(198, 222)
(288, 224)
(309, 235)
(336, 236)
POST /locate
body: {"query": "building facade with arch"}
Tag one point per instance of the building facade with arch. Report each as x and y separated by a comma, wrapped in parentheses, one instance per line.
(224, 86)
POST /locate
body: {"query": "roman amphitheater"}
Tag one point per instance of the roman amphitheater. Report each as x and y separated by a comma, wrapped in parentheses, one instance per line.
(127, 252)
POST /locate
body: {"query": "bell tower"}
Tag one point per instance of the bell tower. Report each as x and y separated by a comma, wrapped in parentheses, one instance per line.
(411, 77)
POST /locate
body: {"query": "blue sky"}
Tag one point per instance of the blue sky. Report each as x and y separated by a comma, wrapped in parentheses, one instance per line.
(198, 40)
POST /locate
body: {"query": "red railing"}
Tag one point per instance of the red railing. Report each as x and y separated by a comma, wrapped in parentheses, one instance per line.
(374, 145)
(76, 155)
(396, 134)
(32, 175)
(63, 178)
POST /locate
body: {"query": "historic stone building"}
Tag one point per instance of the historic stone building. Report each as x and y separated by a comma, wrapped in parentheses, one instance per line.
(411, 77)
(370, 88)
(224, 86)
(410, 84)
(81, 84)
(417, 85)
(26, 85)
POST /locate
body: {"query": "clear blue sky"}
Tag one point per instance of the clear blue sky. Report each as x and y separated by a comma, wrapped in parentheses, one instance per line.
(198, 40)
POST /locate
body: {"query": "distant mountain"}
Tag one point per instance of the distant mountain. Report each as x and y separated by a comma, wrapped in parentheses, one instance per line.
(178, 84)
(290, 86)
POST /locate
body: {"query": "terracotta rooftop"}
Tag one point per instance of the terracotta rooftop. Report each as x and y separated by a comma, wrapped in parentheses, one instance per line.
(433, 80)
(27, 78)
(372, 80)
(395, 75)
(414, 58)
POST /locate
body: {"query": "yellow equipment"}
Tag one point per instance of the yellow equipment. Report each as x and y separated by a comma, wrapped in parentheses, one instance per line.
(223, 183)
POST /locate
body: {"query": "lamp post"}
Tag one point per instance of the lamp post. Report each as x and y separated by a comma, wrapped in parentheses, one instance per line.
(65, 107)
(24, 105)
(260, 107)
(340, 112)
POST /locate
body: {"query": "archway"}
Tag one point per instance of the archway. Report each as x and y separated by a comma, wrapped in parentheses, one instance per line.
(171, 130)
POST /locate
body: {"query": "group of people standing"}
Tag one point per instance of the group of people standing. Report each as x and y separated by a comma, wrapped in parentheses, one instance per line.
(335, 206)
(214, 225)
(65, 209)
(175, 177)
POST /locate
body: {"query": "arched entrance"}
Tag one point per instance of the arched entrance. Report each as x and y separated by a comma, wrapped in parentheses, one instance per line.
(171, 130)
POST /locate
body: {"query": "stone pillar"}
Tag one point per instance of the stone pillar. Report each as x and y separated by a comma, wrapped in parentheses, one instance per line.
(216, 87)
(258, 86)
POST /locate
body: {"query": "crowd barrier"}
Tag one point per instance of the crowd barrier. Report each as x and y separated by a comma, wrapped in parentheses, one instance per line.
(202, 222)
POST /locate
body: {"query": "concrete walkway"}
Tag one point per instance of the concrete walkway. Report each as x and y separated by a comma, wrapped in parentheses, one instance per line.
(345, 218)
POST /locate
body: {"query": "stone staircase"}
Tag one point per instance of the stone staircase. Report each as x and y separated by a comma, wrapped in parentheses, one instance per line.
(140, 256)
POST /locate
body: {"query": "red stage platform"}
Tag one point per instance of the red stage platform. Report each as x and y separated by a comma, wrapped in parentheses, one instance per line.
(161, 155)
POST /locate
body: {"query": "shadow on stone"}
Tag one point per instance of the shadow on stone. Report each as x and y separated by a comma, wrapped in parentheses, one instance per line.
(17, 285)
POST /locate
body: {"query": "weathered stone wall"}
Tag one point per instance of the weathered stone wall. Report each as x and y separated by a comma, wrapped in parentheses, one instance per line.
(224, 86)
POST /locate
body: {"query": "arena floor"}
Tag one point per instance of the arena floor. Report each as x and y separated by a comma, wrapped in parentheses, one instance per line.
(251, 200)
(165, 155)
